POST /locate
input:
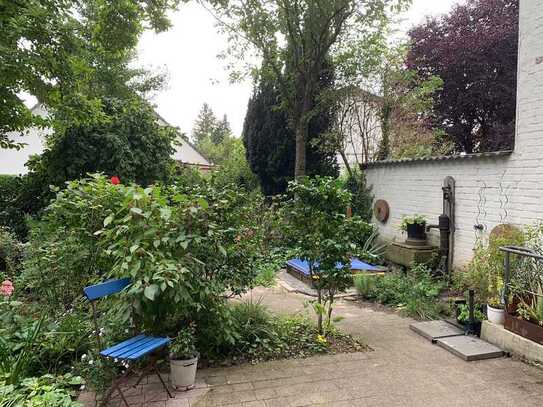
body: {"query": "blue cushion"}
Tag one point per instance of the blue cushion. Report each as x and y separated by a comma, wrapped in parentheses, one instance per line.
(303, 266)
(135, 348)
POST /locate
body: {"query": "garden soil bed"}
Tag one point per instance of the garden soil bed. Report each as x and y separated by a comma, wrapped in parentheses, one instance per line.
(339, 343)
(524, 328)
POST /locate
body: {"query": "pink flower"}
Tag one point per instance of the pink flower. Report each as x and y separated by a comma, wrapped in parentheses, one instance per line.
(7, 288)
(115, 180)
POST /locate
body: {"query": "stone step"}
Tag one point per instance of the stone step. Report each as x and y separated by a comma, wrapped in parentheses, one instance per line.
(434, 330)
(470, 347)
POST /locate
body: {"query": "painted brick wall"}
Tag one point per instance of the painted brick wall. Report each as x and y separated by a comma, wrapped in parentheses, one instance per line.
(489, 191)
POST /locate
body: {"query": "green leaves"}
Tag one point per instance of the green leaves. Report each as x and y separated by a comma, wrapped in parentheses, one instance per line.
(151, 291)
(108, 220)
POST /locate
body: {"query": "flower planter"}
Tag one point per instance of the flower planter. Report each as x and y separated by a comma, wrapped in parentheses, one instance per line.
(416, 234)
(495, 315)
(526, 329)
(416, 231)
(183, 373)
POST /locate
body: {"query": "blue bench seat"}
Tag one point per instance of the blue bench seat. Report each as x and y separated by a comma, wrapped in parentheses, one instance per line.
(135, 348)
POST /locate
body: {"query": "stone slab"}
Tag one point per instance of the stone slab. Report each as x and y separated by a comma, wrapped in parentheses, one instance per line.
(470, 348)
(511, 342)
(433, 330)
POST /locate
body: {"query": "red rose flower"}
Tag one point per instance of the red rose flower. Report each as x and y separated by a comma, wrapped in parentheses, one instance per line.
(115, 180)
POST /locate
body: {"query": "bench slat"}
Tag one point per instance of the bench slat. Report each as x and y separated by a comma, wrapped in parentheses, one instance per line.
(121, 345)
(135, 347)
(157, 343)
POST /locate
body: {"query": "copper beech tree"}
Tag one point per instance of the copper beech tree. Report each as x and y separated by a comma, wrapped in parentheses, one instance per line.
(474, 51)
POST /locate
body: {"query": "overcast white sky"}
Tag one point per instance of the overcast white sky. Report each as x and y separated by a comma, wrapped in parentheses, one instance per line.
(188, 52)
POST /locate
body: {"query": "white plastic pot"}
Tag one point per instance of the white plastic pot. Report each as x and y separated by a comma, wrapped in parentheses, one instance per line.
(183, 373)
(495, 315)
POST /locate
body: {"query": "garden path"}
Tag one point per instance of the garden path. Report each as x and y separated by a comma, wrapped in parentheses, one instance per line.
(402, 370)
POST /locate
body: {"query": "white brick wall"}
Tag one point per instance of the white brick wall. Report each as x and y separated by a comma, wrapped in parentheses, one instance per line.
(489, 191)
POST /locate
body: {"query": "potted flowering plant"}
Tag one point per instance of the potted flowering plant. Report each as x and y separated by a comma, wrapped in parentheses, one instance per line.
(183, 360)
(495, 308)
(415, 226)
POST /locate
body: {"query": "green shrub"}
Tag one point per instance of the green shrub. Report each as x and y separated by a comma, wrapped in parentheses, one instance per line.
(12, 213)
(414, 292)
(484, 273)
(364, 283)
(44, 391)
(11, 255)
(319, 231)
(65, 254)
(361, 196)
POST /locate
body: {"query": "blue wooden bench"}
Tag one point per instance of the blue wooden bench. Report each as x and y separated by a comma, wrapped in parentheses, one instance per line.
(131, 350)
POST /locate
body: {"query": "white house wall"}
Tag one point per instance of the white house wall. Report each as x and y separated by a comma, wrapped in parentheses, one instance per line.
(12, 162)
(489, 191)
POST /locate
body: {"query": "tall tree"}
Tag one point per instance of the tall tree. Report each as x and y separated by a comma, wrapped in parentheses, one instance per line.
(69, 54)
(474, 51)
(270, 142)
(296, 37)
(222, 131)
(205, 125)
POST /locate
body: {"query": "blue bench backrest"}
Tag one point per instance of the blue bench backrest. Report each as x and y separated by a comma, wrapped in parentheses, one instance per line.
(93, 292)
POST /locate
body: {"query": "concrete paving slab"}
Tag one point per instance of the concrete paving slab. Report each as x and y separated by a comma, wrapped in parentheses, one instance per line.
(434, 330)
(470, 348)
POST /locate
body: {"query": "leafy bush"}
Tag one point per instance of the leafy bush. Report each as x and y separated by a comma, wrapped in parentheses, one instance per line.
(320, 232)
(44, 391)
(361, 196)
(65, 253)
(414, 292)
(11, 254)
(484, 273)
(12, 213)
(364, 284)
(260, 335)
(127, 141)
(463, 313)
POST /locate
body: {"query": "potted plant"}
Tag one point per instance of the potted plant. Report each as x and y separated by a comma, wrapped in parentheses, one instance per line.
(183, 360)
(495, 308)
(415, 226)
(462, 317)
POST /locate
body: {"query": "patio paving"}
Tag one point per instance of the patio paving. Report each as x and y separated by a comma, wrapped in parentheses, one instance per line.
(403, 369)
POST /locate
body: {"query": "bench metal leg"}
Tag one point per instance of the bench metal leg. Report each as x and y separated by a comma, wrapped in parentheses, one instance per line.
(116, 386)
(151, 367)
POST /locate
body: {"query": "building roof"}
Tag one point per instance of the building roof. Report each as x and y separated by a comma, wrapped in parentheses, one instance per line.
(384, 163)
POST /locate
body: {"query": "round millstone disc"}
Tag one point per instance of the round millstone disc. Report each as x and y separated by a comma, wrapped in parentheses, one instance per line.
(381, 210)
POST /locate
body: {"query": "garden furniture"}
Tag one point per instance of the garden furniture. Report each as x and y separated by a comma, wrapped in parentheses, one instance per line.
(128, 352)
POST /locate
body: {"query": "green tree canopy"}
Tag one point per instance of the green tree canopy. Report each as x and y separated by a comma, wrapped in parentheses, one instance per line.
(131, 145)
(69, 54)
(296, 39)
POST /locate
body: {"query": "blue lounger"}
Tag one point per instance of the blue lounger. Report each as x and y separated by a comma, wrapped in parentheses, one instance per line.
(302, 266)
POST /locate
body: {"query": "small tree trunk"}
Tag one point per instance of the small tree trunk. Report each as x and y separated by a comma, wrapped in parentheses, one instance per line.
(319, 314)
(346, 162)
(329, 314)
